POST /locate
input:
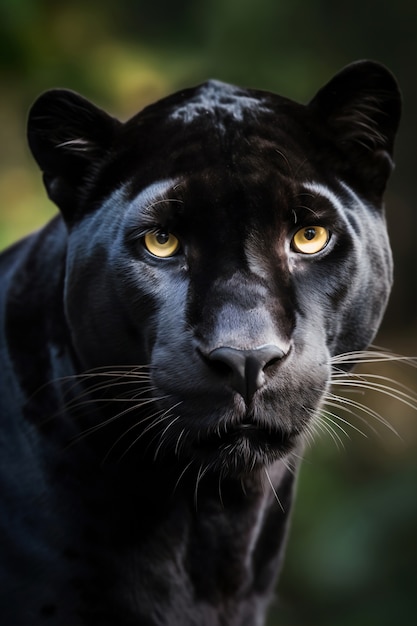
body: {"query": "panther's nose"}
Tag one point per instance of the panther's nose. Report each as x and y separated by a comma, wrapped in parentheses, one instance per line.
(244, 370)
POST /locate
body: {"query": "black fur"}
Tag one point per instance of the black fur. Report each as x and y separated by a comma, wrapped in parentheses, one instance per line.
(147, 402)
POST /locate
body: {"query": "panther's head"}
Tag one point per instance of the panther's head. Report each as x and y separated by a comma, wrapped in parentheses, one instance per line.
(231, 241)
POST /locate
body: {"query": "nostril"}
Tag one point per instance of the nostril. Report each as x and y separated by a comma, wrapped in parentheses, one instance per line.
(272, 355)
(220, 367)
(244, 370)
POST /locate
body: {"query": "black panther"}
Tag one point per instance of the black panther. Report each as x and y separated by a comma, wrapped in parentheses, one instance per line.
(168, 342)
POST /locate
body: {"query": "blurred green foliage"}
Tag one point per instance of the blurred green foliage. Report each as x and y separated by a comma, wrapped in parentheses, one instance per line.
(352, 556)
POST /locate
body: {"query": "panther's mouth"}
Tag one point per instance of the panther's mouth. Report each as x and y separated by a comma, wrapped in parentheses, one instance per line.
(247, 444)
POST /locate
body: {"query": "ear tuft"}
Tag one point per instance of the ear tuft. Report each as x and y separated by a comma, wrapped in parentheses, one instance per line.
(68, 136)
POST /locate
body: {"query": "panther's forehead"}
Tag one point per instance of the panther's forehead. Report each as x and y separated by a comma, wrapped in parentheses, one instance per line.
(221, 99)
(219, 132)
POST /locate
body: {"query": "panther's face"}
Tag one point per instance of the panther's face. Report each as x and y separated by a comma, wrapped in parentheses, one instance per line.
(229, 241)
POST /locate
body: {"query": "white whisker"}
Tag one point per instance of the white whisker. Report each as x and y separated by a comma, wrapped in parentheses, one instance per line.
(329, 429)
(164, 416)
(334, 419)
(346, 405)
(287, 466)
(163, 435)
(370, 356)
(273, 489)
(181, 476)
(177, 444)
(392, 392)
(112, 419)
(200, 475)
(131, 428)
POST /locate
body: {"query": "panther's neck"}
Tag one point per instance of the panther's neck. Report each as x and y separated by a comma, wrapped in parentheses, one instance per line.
(213, 541)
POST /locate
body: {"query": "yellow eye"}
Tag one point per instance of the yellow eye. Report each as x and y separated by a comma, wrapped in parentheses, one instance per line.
(161, 244)
(311, 239)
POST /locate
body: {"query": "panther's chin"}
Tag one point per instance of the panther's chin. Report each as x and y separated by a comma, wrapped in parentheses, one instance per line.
(244, 448)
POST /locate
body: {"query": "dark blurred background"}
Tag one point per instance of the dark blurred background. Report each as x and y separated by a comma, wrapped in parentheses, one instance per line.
(352, 555)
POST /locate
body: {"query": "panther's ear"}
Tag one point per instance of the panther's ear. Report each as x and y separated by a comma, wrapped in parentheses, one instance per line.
(361, 107)
(68, 136)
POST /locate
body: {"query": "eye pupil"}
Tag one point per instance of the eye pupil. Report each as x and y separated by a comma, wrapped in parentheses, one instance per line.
(162, 238)
(309, 233)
